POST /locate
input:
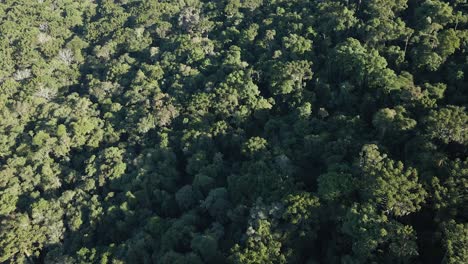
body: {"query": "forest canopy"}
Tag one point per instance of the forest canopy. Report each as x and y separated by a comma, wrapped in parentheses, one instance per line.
(233, 131)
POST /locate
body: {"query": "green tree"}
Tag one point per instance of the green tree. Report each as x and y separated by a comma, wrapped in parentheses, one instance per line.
(389, 184)
(392, 121)
(455, 242)
(370, 231)
(448, 124)
(336, 184)
(261, 247)
(107, 166)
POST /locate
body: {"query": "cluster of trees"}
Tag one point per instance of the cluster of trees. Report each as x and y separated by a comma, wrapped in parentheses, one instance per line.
(233, 131)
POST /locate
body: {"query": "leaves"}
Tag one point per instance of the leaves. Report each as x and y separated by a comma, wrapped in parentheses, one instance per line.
(260, 131)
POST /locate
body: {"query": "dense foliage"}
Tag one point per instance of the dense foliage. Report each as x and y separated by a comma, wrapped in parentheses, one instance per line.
(233, 131)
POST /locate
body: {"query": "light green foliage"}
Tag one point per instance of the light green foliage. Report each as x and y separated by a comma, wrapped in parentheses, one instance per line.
(448, 124)
(16, 243)
(336, 17)
(48, 216)
(261, 247)
(389, 184)
(299, 207)
(297, 44)
(370, 231)
(363, 65)
(107, 166)
(290, 77)
(382, 22)
(451, 192)
(392, 120)
(455, 242)
(433, 14)
(366, 227)
(254, 145)
(436, 43)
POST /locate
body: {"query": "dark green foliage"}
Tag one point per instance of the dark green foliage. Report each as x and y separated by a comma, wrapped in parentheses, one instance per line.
(234, 131)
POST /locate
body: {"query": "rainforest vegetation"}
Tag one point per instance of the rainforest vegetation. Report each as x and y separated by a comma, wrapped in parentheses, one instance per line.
(233, 131)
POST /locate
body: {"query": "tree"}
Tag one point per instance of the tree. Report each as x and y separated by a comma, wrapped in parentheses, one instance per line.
(337, 184)
(290, 77)
(216, 203)
(381, 22)
(449, 190)
(366, 228)
(393, 121)
(336, 18)
(448, 124)
(389, 185)
(254, 145)
(186, 197)
(107, 166)
(455, 242)
(300, 209)
(434, 43)
(297, 44)
(206, 246)
(362, 65)
(16, 243)
(370, 231)
(261, 247)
